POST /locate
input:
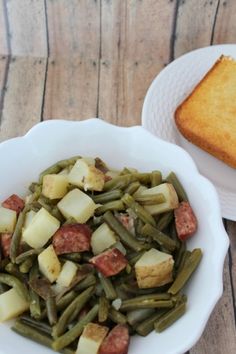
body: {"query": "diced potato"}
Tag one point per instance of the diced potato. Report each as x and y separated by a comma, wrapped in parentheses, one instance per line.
(102, 238)
(29, 217)
(49, 264)
(154, 269)
(67, 274)
(139, 191)
(77, 205)
(170, 195)
(7, 220)
(64, 172)
(86, 176)
(55, 186)
(12, 305)
(91, 339)
(41, 228)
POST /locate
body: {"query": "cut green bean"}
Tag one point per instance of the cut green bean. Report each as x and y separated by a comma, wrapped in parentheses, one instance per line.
(127, 305)
(103, 311)
(16, 237)
(185, 256)
(188, 268)
(164, 220)
(41, 326)
(12, 281)
(51, 310)
(158, 236)
(142, 213)
(136, 316)
(151, 199)
(170, 317)
(108, 287)
(23, 256)
(107, 196)
(147, 326)
(126, 237)
(156, 178)
(35, 309)
(132, 188)
(65, 300)
(173, 179)
(117, 316)
(67, 338)
(26, 265)
(90, 280)
(75, 307)
(121, 182)
(117, 205)
(180, 253)
(14, 270)
(74, 257)
(135, 258)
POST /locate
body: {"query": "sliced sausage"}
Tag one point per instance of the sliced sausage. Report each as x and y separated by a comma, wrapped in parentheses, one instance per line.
(14, 203)
(127, 221)
(117, 341)
(110, 262)
(185, 221)
(72, 238)
(6, 243)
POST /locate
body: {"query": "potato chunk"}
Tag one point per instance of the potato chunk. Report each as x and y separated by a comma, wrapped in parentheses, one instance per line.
(29, 217)
(54, 186)
(7, 220)
(67, 274)
(77, 205)
(170, 195)
(86, 176)
(154, 269)
(49, 264)
(102, 238)
(12, 305)
(41, 228)
(91, 339)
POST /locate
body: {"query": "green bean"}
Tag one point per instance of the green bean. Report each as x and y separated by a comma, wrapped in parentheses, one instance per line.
(117, 316)
(174, 236)
(70, 221)
(142, 213)
(128, 305)
(12, 281)
(41, 326)
(57, 214)
(165, 220)
(33, 186)
(132, 188)
(108, 287)
(74, 308)
(151, 199)
(23, 256)
(170, 317)
(74, 257)
(57, 167)
(135, 258)
(179, 254)
(16, 237)
(121, 182)
(35, 335)
(107, 196)
(75, 332)
(45, 205)
(156, 178)
(188, 268)
(126, 237)
(85, 283)
(117, 205)
(51, 310)
(35, 309)
(14, 270)
(144, 328)
(64, 301)
(159, 237)
(103, 311)
(185, 256)
(136, 316)
(173, 179)
(26, 265)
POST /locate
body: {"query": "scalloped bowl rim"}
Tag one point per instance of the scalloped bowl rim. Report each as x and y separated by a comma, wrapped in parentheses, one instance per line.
(98, 128)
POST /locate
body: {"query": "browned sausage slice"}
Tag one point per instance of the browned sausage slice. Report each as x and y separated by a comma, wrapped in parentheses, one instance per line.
(110, 262)
(72, 238)
(14, 203)
(185, 221)
(5, 243)
(117, 341)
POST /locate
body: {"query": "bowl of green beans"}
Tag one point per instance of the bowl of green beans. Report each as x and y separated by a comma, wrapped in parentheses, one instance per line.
(96, 251)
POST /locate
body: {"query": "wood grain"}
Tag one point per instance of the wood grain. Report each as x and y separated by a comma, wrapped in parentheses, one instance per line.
(23, 96)
(134, 49)
(27, 27)
(225, 27)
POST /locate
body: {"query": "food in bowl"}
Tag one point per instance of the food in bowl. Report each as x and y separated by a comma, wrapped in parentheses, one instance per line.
(207, 116)
(93, 255)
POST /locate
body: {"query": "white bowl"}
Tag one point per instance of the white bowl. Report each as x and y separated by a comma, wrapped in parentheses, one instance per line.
(22, 159)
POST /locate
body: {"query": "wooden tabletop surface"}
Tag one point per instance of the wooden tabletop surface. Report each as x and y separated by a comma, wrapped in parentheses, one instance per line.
(75, 59)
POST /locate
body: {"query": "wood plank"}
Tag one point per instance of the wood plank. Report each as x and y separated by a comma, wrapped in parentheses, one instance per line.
(23, 96)
(225, 27)
(194, 25)
(231, 229)
(3, 30)
(4, 64)
(134, 49)
(71, 89)
(73, 28)
(27, 26)
(219, 335)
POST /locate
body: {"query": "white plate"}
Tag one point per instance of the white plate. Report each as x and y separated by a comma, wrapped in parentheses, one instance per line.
(166, 92)
(134, 147)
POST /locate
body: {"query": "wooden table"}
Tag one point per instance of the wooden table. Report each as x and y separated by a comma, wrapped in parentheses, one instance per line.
(75, 59)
